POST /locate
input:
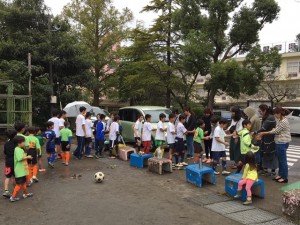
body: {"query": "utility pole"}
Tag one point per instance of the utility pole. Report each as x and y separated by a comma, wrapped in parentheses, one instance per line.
(29, 71)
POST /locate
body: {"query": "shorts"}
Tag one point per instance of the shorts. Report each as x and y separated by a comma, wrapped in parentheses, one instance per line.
(179, 145)
(146, 144)
(50, 150)
(217, 155)
(57, 141)
(9, 172)
(64, 147)
(21, 180)
(197, 147)
(88, 141)
(172, 146)
(32, 152)
(160, 143)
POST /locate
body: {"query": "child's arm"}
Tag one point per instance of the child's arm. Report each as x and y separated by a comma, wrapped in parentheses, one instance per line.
(20, 156)
(245, 171)
(218, 139)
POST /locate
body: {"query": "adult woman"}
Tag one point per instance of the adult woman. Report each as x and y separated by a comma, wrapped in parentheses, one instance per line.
(234, 128)
(190, 125)
(268, 152)
(282, 139)
(207, 131)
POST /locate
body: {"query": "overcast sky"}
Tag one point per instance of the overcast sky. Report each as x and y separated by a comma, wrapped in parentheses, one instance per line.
(283, 30)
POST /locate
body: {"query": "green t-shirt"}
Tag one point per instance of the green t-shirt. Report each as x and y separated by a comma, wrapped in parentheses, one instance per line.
(33, 142)
(26, 140)
(41, 140)
(199, 134)
(21, 166)
(65, 133)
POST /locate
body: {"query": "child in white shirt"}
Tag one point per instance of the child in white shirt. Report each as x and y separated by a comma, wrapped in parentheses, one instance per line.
(89, 133)
(160, 139)
(147, 131)
(179, 143)
(171, 134)
(113, 136)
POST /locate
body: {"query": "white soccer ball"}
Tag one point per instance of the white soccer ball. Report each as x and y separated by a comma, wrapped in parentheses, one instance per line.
(99, 177)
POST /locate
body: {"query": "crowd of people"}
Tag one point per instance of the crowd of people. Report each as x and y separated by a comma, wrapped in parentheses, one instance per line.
(257, 145)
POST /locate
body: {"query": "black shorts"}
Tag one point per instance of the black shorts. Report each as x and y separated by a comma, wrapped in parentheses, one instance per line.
(179, 145)
(64, 147)
(32, 152)
(88, 141)
(9, 171)
(50, 150)
(217, 155)
(57, 141)
(21, 180)
(172, 146)
(197, 147)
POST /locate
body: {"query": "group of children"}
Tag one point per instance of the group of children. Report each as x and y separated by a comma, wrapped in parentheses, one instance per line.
(176, 130)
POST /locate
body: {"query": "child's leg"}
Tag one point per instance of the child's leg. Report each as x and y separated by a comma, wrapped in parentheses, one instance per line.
(63, 156)
(182, 153)
(249, 184)
(6, 183)
(16, 190)
(24, 189)
(176, 158)
(241, 184)
(30, 174)
(224, 163)
(215, 164)
(48, 157)
(34, 170)
(67, 156)
(52, 158)
(100, 147)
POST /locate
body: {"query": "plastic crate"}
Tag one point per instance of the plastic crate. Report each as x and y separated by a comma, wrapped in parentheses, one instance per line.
(231, 186)
(139, 161)
(196, 175)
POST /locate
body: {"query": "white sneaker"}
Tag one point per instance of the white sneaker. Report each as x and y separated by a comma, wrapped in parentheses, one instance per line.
(179, 165)
(35, 179)
(217, 173)
(225, 172)
(184, 164)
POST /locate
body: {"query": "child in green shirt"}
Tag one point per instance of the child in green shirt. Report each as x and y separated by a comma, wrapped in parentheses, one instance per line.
(21, 169)
(66, 140)
(198, 138)
(38, 135)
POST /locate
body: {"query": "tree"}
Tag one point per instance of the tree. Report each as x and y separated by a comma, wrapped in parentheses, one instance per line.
(26, 28)
(229, 35)
(101, 28)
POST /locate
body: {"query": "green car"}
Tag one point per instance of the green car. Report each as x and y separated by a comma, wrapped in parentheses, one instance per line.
(129, 115)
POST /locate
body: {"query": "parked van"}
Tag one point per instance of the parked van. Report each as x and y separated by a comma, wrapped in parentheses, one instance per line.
(294, 119)
(129, 115)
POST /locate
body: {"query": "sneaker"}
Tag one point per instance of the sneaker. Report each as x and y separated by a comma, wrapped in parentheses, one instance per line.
(273, 174)
(263, 172)
(216, 173)
(6, 194)
(27, 195)
(42, 170)
(224, 172)
(63, 162)
(179, 165)
(51, 164)
(188, 158)
(184, 164)
(66, 164)
(248, 202)
(89, 156)
(30, 183)
(96, 156)
(238, 195)
(12, 199)
(204, 160)
(35, 179)
(112, 157)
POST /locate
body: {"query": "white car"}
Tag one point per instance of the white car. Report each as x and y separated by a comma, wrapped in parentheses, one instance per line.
(294, 119)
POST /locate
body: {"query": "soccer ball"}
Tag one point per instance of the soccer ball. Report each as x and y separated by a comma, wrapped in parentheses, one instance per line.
(99, 177)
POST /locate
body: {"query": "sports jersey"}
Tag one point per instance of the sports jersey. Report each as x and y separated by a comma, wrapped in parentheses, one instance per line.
(50, 136)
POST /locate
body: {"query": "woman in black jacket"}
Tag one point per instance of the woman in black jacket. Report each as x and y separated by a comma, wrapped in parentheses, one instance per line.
(207, 131)
(269, 158)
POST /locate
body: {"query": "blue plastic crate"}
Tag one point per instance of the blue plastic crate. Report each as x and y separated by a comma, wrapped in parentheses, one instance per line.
(139, 161)
(231, 186)
(196, 175)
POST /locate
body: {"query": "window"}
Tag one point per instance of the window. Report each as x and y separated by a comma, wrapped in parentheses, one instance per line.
(296, 112)
(292, 46)
(291, 97)
(266, 48)
(128, 115)
(200, 80)
(223, 98)
(293, 69)
(279, 47)
(155, 114)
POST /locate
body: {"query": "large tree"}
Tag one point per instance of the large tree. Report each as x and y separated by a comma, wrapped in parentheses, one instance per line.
(231, 26)
(101, 28)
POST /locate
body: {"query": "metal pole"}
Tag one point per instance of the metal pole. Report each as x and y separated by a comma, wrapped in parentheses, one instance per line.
(29, 70)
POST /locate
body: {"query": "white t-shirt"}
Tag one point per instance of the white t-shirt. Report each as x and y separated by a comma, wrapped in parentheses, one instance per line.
(56, 122)
(88, 127)
(114, 128)
(160, 135)
(217, 146)
(147, 130)
(171, 137)
(80, 120)
(62, 122)
(137, 128)
(180, 130)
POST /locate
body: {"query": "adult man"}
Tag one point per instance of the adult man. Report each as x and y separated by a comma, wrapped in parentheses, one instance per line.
(190, 125)
(57, 127)
(80, 133)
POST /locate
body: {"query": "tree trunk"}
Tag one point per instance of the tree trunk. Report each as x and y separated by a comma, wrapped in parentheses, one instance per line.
(169, 72)
(168, 98)
(96, 101)
(211, 98)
